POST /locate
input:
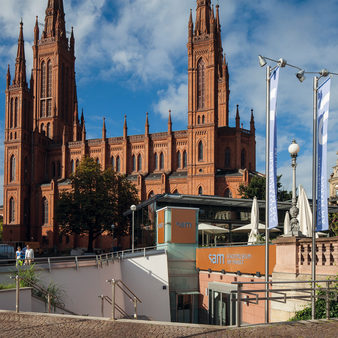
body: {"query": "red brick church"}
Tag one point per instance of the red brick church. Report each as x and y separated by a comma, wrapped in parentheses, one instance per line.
(45, 139)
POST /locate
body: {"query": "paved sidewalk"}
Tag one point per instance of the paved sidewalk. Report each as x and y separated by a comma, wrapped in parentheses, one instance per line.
(43, 325)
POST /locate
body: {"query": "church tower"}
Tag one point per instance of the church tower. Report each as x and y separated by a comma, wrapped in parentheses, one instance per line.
(53, 75)
(18, 127)
(208, 96)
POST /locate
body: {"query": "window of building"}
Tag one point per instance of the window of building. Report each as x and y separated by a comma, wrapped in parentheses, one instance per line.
(77, 163)
(97, 160)
(139, 162)
(243, 158)
(156, 161)
(44, 211)
(161, 161)
(200, 191)
(72, 166)
(11, 115)
(227, 157)
(179, 159)
(133, 163)
(198, 120)
(16, 113)
(118, 166)
(184, 159)
(42, 128)
(11, 210)
(43, 90)
(150, 194)
(48, 130)
(113, 162)
(12, 169)
(49, 88)
(203, 119)
(59, 168)
(200, 151)
(200, 84)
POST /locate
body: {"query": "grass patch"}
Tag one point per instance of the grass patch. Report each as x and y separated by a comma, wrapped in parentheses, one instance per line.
(7, 286)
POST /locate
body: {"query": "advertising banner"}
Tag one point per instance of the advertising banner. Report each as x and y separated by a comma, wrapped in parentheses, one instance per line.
(183, 226)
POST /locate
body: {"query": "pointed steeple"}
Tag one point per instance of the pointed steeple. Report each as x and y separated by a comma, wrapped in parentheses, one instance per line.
(190, 27)
(218, 25)
(203, 13)
(36, 32)
(252, 122)
(169, 123)
(20, 66)
(104, 131)
(83, 132)
(212, 20)
(147, 125)
(55, 19)
(8, 78)
(82, 118)
(238, 120)
(125, 129)
(72, 42)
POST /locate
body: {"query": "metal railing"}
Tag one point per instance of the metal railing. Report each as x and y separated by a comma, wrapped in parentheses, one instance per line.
(124, 288)
(117, 307)
(99, 260)
(283, 294)
(39, 293)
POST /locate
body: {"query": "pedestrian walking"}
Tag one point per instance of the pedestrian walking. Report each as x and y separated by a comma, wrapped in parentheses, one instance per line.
(29, 255)
(18, 254)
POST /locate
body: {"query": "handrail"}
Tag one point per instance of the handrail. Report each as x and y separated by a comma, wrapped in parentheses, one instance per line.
(133, 294)
(46, 293)
(117, 307)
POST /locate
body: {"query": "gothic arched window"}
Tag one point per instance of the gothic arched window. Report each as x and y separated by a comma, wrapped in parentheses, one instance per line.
(184, 159)
(200, 151)
(198, 120)
(48, 129)
(139, 162)
(118, 165)
(42, 128)
(59, 169)
(161, 161)
(200, 191)
(227, 158)
(49, 88)
(243, 155)
(133, 164)
(77, 163)
(11, 115)
(113, 162)
(16, 113)
(150, 194)
(43, 90)
(11, 210)
(179, 159)
(12, 169)
(200, 84)
(156, 161)
(44, 211)
(72, 166)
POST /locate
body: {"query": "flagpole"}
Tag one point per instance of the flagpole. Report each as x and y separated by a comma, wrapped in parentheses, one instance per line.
(267, 151)
(314, 198)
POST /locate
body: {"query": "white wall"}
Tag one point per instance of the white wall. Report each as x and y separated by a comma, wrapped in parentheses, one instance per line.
(146, 276)
(8, 299)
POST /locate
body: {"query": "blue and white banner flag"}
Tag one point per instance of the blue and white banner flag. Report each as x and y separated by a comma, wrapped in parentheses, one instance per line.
(323, 101)
(272, 175)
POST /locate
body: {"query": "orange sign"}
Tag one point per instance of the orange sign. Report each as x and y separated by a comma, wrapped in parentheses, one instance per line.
(160, 226)
(246, 259)
(183, 226)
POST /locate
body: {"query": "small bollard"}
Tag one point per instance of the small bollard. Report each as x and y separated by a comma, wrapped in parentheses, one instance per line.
(17, 301)
(113, 299)
(135, 308)
(238, 308)
(49, 303)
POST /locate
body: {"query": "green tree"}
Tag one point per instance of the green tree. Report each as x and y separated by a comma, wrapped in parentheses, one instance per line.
(256, 187)
(333, 223)
(97, 200)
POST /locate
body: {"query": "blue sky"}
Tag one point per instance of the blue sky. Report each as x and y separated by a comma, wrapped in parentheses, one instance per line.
(132, 59)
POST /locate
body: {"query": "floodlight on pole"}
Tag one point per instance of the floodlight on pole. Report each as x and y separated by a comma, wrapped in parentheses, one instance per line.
(282, 62)
(262, 61)
(300, 75)
(133, 209)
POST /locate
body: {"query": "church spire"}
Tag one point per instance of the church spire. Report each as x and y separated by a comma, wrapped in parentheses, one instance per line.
(20, 66)
(218, 25)
(147, 125)
(169, 123)
(36, 32)
(55, 19)
(252, 122)
(104, 131)
(125, 129)
(8, 78)
(190, 26)
(203, 13)
(238, 120)
(72, 42)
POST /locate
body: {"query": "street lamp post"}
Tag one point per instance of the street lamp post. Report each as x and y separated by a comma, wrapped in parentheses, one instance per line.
(132, 208)
(293, 150)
